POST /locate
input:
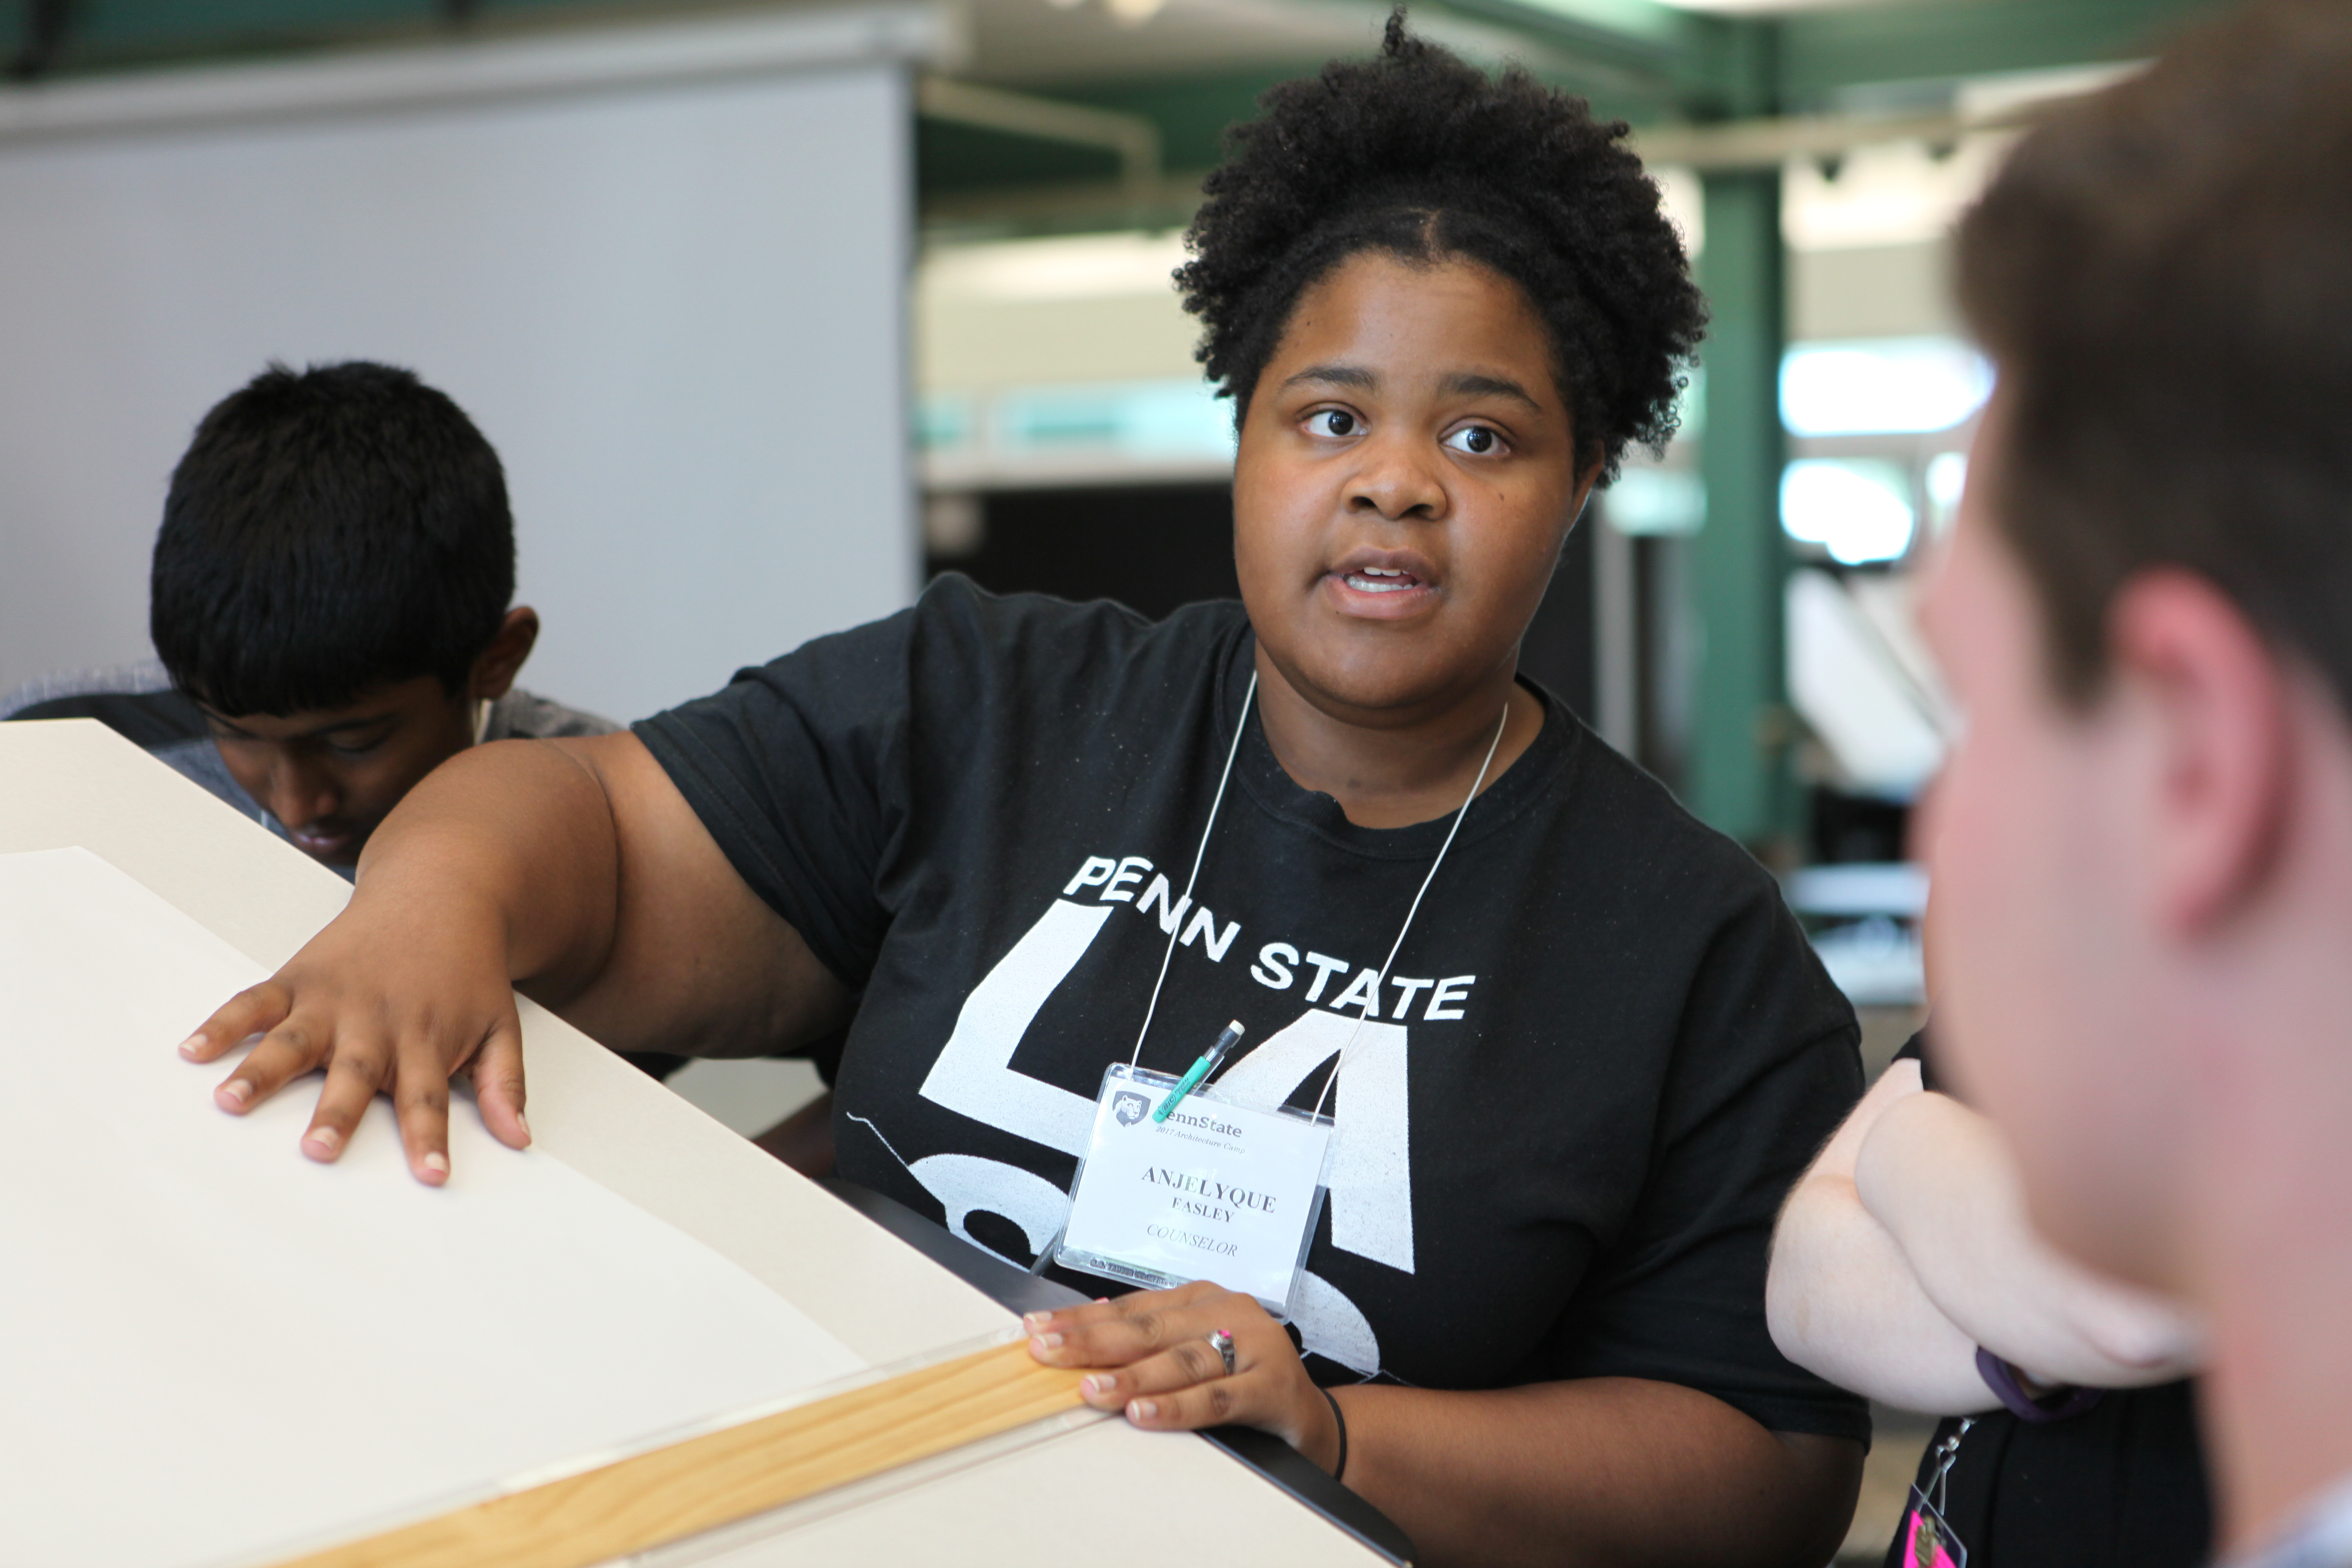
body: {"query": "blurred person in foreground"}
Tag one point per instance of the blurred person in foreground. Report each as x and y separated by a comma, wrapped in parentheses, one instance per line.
(2142, 847)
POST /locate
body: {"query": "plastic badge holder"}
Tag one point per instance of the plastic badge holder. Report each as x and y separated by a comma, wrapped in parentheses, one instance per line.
(1158, 1265)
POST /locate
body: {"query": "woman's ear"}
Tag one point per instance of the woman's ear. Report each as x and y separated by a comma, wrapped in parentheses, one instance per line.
(495, 667)
(1581, 497)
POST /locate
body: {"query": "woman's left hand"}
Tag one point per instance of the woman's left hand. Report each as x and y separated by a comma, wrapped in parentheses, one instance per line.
(1158, 1364)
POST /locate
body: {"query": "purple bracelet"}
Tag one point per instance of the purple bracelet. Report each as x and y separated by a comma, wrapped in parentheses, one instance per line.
(2001, 1378)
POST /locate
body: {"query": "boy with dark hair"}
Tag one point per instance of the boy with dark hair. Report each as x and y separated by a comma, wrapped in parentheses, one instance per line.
(331, 592)
(2143, 846)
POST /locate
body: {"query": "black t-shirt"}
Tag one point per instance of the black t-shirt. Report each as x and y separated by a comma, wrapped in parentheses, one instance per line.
(2122, 1485)
(1600, 1059)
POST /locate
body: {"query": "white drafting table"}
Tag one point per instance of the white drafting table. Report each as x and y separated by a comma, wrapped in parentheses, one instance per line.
(75, 783)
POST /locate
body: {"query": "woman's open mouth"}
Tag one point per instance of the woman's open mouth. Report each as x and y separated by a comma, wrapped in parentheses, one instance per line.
(1379, 579)
(1382, 585)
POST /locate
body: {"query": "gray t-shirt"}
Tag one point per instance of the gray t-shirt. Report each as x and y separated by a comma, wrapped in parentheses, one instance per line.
(517, 716)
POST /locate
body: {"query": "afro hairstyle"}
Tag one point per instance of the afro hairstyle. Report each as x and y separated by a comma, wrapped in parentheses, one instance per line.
(1421, 155)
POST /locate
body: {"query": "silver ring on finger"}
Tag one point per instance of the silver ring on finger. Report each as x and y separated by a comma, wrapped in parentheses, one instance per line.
(1222, 1343)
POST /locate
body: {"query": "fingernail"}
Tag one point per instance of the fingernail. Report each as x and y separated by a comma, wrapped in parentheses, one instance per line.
(1036, 1319)
(237, 1091)
(524, 1125)
(1096, 1387)
(1047, 1342)
(438, 1163)
(193, 1044)
(325, 1140)
(1144, 1409)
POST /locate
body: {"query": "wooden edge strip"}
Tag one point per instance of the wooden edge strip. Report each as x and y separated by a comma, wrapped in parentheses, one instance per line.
(653, 1498)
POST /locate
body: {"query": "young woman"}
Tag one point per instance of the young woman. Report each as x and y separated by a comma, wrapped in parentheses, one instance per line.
(1575, 1046)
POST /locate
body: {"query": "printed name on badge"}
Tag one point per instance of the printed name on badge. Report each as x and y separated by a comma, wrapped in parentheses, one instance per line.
(1219, 1189)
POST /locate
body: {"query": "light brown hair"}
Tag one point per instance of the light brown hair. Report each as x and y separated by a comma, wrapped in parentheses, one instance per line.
(2163, 274)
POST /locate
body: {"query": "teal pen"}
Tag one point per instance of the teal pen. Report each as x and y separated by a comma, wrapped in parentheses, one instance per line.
(1199, 1070)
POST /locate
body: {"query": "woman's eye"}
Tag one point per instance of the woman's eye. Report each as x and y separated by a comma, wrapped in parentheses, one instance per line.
(1476, 439)
(1333, 421)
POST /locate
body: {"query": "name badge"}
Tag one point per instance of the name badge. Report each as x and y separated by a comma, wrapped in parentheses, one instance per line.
(1928, 1540)
(1222, 1190)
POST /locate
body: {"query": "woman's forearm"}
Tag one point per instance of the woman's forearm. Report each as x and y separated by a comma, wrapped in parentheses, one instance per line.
(1844, 1304)
(573, 869)
(1937, 1176)
(498, 867)
(1596, 1471)
(1840, 1296)
(518, 834)
(616, 908)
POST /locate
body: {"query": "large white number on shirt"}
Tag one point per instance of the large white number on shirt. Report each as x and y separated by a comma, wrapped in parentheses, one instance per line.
(974, 1074)
(967, 1185)
(1371, 1155)
(1372, 1172)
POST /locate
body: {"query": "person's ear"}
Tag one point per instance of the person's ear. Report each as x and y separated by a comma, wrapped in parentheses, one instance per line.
(2211, 701)
(496, 666)
(1581, 497)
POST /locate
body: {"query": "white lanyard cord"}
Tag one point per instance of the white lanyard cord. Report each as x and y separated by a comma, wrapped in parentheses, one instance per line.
(1348, 1051)
(1175, 923)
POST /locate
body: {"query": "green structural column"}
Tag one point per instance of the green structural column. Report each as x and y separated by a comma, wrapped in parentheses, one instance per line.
(1737, 775)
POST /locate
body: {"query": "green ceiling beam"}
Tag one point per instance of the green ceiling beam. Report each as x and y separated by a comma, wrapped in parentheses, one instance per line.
(1640, 59)
(112, 35)
(1823, 51)
(1193, 112)
(950, 157)
(1632, 50)
(100, 34)
(1638, 24)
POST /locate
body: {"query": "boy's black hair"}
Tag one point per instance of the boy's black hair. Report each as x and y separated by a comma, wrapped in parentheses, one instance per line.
(327, 532)
(1421, 155)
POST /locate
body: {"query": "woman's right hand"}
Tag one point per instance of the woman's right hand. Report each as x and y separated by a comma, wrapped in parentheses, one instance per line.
(390, 998)
(573, 868)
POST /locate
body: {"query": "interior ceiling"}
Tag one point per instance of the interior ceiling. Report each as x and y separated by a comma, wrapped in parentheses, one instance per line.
(1027, 42)
(1778, 7)
(1036, 43)
(1190, 67)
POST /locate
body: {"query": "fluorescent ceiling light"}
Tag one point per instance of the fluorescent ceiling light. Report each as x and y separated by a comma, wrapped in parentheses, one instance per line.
(1655, 500)
(1884, 386)
(1856, 508)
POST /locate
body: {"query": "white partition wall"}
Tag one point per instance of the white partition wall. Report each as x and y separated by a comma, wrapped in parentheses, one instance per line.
(664, 269)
